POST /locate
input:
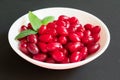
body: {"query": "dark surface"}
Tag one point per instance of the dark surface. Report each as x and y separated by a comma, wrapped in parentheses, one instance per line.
(106, 67)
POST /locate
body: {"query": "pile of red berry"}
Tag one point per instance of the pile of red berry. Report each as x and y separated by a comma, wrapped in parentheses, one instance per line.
(64, 40)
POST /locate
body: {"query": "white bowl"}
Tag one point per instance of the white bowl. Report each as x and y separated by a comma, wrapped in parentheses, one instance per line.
(84, 17)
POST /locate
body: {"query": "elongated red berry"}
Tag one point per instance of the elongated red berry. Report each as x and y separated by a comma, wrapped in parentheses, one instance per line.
(62, 39)
(23, 46)
(74, 46)
(40, 57)
(53, 46)
(58, 55)
(43, 47)
(74, 37)
(46, 38)
(32, 47)
(96, 30)
(42, 29)
(50, 60)
(75, 57)
(93, 48)
(23, 27)
(88, 26)
(62, 30)
(32, 38)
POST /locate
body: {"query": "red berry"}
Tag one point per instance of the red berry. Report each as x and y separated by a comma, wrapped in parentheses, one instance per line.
(75, 57)
(80, 29)
(50, 60)
(23, 27)
(29, 26)
(93, 48)
(51, 31)
(42, 29)
(67, 23)
(53, 46)
(43, 47)
(58, 55)
(87, 33)
(74, 37)
(64, 51)
(80, 34)
(62, 30)
(87, 39)
(96, 30)
(74, 46)
(60, 23)
(66, 60)
(32, 38)
(40, 57)
(84, 52)
(96, 37)
(72, 29)
(32, 47)
(46, 38)
(51, 25)
(88, 27)
(63, 17)
(62, 39)
(73, 21)
(23, 47)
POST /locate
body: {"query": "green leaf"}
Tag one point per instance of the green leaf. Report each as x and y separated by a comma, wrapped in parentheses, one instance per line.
(48, 19)
(34, 20)
(25, 33)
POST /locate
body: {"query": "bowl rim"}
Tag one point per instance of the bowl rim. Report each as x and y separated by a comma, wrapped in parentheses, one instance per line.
(68, 65)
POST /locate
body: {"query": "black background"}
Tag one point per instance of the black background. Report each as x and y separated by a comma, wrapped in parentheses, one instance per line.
(106, 67)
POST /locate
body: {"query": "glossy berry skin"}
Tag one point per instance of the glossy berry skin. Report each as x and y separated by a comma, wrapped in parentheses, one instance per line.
(64, 51)
(96, 37)
(81, 29)
(46, 38)
(84, 52)
(87, 39)
(75, 57)
(62, 39)
(29, 26)
(67, 23)
(74, 46)
(23, 27)
(32, 38)
(42, 29)
(51, 31)
(23, 47)
(51, 25)
(93, 48)
(87, 33)
(96, 30)
(88, 27)
(66, 60)
(73, 21)
(80, 34)
(58, 55)
(62, 30)
(63, 17)
(60, 23)
(40, 57)
(72, 29)
(50, 60)
(43, 47)
(32, 47)
(74, 37)
(53, 46)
